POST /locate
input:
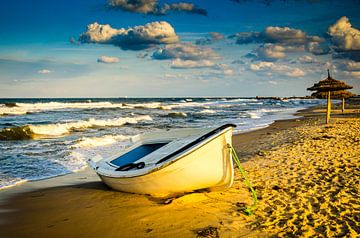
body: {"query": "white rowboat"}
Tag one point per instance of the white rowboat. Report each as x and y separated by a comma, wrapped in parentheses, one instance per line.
(171, 162)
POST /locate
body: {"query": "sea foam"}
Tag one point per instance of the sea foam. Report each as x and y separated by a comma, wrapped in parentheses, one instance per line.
(60, 129)
(88, 142)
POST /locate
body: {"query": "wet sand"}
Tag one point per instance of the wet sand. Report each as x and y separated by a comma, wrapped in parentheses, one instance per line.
(306, 175)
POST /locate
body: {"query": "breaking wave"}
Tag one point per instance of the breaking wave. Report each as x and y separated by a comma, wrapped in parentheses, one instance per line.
(60, 129)
(207, 111)
(177, 114)
(88, 142)
(9, 109)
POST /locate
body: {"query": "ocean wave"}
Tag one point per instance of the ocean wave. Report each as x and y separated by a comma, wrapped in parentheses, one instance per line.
(60, 129)
(9, 109)
(87, 142)
(254, 114)
(207, 111)
(177, 114)
(25, 108)
(8, 182)
(150, 105)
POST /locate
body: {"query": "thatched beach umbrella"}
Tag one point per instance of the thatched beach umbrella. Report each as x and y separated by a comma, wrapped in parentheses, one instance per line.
(334, 95)
(329, 85)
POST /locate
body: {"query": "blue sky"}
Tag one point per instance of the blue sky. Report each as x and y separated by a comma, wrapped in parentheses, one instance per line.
(165, 49)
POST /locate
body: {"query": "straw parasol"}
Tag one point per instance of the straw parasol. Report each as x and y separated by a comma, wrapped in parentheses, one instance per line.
(329, 85)
(334, 95)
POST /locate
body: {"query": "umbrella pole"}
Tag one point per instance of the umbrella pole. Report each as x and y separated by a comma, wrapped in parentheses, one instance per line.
(343, 105)
(328, 111)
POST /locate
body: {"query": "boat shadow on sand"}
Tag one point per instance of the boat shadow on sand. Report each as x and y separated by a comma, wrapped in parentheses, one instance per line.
(91, 208)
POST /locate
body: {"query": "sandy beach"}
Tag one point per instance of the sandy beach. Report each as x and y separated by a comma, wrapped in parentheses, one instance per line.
(306, 175)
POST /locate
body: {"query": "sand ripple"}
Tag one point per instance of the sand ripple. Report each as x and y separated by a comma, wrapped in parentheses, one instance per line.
(311, 186)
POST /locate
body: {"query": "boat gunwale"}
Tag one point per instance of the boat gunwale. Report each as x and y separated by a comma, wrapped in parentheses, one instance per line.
(166, 164)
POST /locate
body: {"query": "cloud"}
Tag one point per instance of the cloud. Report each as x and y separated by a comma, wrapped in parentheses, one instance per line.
(350, 68)
(268, 68)
(276, 35)
(273, 52)
(270, 52)
(218, 71)
(296, 72)
(247, 37)
(133, 38)
(306, 59)
(213, 37)
(108, 59)
(238, 62)
(317, 48)
(141, 6)
(152, 7)
(344, 36)
(44, 71)
(184, 51)
(216, 36)
(182, 6)
(223, 69)
(288, 36)
(261, 65)
(353, 74)
(269, 2)
(74, 41)
(279, 40)
(188, 64)
(351, 65)
(23, 70)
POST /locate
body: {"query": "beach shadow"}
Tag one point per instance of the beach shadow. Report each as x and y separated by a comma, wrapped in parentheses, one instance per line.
(96, 185)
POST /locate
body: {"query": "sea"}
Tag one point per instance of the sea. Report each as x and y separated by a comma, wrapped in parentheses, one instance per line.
(43, 138)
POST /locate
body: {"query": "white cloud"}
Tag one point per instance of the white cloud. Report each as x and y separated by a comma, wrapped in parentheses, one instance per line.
(44, 71)
(216, 36)
(270, 52)
(108, 59)
(276, 35)
(350, 68)
(213, 37)
(317, 48)
(186, 64)
(261, 65)
(295, 72)
(277, 41)
(152, 7)
(141, 6)
(97, 33)
(344, 36)
(306, 59)
(289, 36)
(224, 69)
(270, 67)
(353, 74)
(182, 6)
(185, 51)
(352, 65)
(134, 38)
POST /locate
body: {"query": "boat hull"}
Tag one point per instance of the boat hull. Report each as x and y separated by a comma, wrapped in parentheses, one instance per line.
(209, 166)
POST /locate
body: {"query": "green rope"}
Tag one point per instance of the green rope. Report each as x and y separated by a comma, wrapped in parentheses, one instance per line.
(249, 210)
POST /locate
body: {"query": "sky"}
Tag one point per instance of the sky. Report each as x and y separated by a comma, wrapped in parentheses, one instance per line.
(169, 48)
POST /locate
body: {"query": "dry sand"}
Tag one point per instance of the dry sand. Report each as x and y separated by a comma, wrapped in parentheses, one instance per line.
(306, 175)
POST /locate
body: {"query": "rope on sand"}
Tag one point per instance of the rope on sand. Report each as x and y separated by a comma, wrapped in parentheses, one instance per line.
(249, 210)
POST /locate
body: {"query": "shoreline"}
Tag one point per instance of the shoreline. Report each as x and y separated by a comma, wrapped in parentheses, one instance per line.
(74, 177)
(75, 203)
(293, 116)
